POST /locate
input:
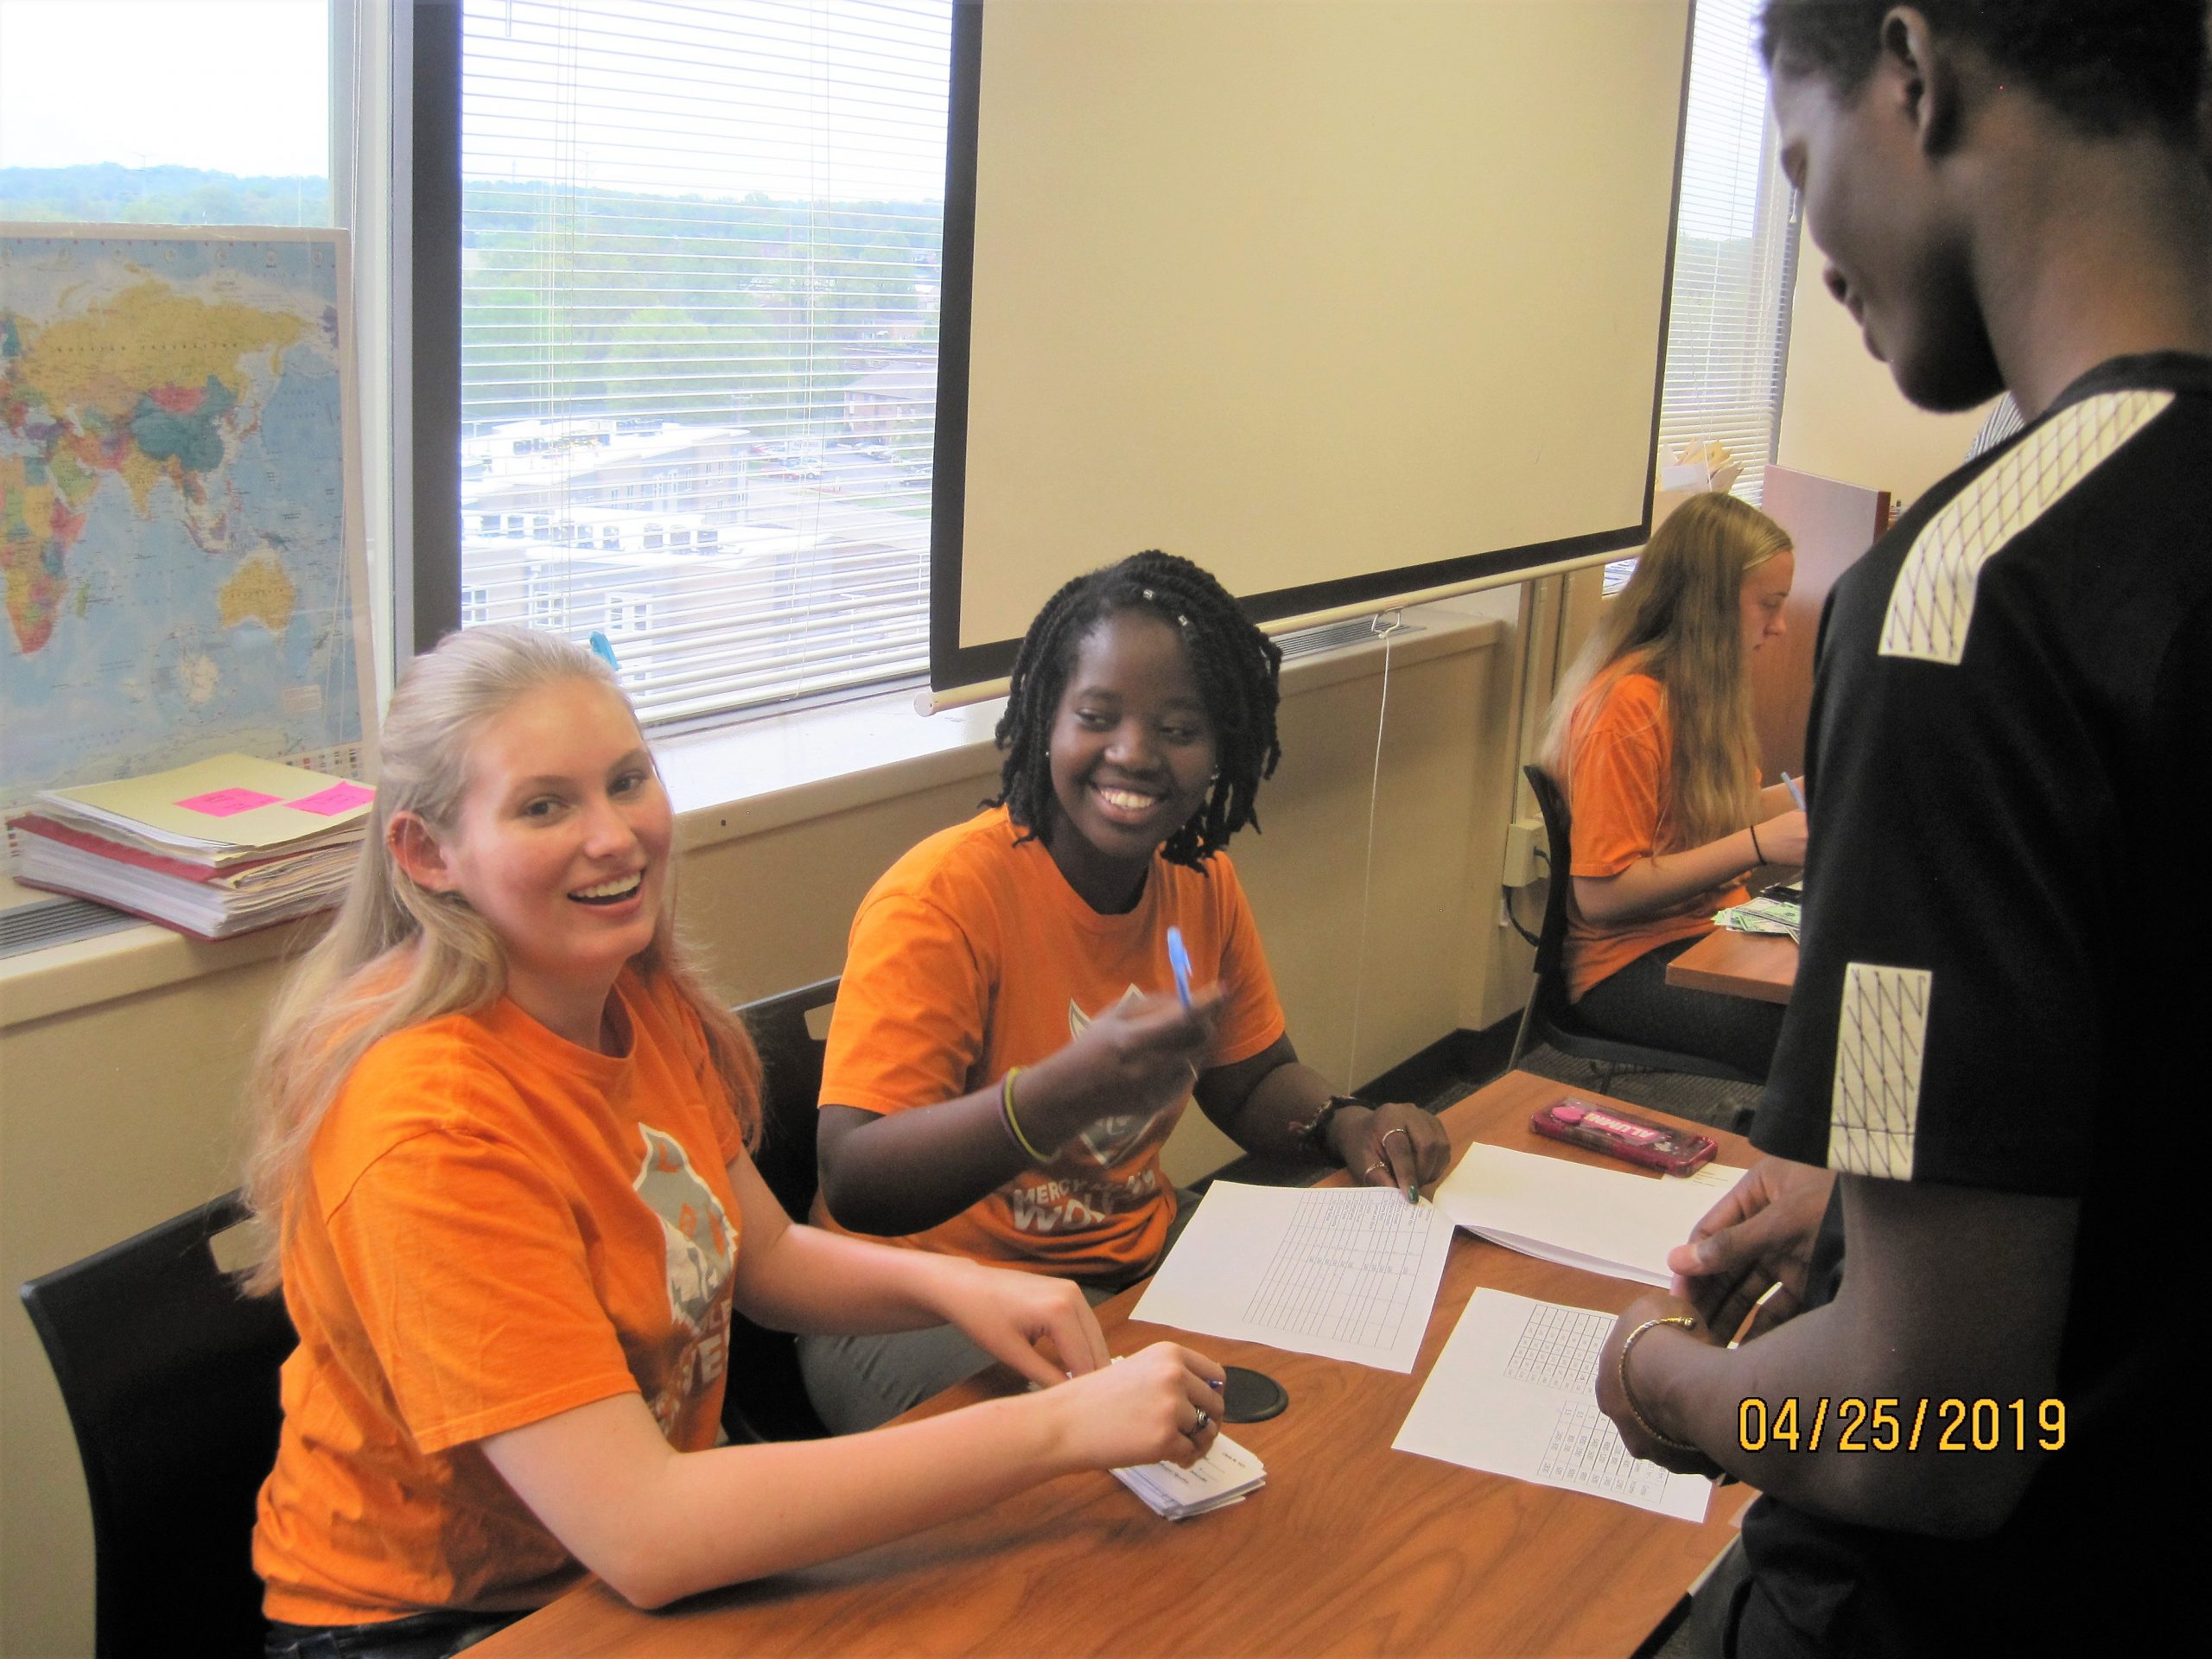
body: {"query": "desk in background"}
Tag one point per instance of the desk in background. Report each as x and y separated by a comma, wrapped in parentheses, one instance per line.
(1350, 1547)
(1762, 966)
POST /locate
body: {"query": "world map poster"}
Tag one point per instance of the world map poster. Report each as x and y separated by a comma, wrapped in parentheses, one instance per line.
(180, 527)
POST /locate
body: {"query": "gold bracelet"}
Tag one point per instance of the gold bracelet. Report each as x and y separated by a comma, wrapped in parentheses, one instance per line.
(1013, 1123)
(1628, 1396)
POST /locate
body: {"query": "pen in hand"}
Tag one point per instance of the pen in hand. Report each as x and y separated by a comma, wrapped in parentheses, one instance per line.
(1180, 960)
(1796, 793)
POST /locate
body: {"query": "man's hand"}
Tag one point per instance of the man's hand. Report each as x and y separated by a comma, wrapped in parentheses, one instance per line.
(1757, 1239)
(1624, 1407)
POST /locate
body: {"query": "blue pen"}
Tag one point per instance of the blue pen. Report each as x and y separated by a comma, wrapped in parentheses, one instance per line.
(1796, 793)
(1180, 960)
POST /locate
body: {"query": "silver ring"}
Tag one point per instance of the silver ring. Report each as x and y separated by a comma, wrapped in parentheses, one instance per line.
(1198, 1428)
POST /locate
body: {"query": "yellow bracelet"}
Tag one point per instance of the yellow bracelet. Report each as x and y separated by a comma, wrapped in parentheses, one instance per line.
(1013, 1123)
(1628, 1398)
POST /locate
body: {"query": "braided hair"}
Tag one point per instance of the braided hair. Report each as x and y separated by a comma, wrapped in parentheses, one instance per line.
(1236, 664)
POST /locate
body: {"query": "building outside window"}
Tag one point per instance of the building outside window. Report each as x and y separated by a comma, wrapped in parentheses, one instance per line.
(701, 251)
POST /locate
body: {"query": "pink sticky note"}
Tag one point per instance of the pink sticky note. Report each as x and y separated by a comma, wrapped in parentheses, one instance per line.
(339, 798)
(227, 802)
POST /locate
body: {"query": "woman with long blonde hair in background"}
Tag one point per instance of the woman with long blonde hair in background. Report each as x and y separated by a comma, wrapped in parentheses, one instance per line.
(499, 1152)
(1651, 740)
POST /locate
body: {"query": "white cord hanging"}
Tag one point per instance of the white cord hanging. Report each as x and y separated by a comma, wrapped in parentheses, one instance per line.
(1383, 625)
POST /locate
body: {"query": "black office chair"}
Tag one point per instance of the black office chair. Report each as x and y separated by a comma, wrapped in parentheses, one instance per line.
(1549, 1016)
(169, 1376)
(766, 1399)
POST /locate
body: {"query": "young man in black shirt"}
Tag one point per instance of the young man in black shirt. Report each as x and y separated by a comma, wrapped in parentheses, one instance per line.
(1983, 1116)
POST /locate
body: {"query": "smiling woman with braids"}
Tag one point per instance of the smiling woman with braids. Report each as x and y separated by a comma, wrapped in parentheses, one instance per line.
(1009, 1053)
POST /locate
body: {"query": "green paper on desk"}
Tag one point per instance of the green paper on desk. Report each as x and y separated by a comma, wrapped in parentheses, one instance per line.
(1762, 915)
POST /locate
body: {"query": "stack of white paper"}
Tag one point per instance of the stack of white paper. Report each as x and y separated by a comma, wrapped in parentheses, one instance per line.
(216, 847)
(1605, 1221)
(1227, 1474)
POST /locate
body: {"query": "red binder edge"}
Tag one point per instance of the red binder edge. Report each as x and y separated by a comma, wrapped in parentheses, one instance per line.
(32, 824)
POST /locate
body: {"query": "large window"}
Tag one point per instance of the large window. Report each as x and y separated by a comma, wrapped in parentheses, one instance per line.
(700, 251)
(150, 112)
(1735, 249)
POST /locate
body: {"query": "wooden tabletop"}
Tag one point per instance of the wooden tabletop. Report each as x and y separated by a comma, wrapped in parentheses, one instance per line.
(1763, 966)
(1351, 1547)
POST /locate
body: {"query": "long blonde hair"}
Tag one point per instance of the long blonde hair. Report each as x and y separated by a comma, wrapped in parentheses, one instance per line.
(1680, 620)
(398, 954)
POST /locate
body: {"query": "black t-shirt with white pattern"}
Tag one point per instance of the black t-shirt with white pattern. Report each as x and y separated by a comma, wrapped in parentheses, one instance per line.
(2004, 974)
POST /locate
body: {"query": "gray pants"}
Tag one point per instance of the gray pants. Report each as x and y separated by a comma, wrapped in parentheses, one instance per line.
(863, 1382)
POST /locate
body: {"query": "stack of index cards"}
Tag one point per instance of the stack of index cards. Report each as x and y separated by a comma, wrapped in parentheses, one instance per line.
(1224, 1476)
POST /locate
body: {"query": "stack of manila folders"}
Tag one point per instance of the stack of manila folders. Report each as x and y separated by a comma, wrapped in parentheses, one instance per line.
(220, 847)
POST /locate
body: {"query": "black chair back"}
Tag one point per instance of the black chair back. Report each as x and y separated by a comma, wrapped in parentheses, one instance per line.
(1550, 995)
(1549, 1017)
(790, 1085)
(169, 1376)
(766, 1399)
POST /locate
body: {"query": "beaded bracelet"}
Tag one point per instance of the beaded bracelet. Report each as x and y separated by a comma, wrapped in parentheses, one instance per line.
(1013, 1123)
(1620, 1375)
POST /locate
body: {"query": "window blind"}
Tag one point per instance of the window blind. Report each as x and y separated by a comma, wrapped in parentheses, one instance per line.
(700, 248)
(1735, 244)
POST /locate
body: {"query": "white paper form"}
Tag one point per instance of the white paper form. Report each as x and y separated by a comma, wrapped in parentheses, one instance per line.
(1603, 1220)
(1350, 1273)
(1513, 1393)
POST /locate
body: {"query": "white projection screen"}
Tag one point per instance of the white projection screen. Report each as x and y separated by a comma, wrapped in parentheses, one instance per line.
(1340, 298)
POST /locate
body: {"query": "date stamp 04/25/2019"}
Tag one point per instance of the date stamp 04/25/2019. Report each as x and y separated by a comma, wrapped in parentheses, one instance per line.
(1850, 1424)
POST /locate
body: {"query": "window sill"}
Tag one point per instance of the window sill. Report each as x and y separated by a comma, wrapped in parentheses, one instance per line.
(740, 779)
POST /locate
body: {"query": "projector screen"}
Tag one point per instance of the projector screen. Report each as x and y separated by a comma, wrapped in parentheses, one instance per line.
(1339, 298)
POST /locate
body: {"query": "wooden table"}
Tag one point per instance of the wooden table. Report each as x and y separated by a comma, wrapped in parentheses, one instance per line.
(1351, 1547)
(1763, 966)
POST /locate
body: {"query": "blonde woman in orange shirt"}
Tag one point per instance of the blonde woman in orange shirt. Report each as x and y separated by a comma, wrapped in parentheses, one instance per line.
(1651, 740)
(500, 1153)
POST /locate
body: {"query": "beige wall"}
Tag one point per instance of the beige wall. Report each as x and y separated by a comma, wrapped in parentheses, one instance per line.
(1843, 416)
(118, 1114)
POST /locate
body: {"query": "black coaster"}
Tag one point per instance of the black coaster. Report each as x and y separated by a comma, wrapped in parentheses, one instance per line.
(1251, 1398)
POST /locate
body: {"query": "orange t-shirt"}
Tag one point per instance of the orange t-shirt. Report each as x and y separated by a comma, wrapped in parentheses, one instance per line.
(1620, 750)
(973, 953)
(496, 1226)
